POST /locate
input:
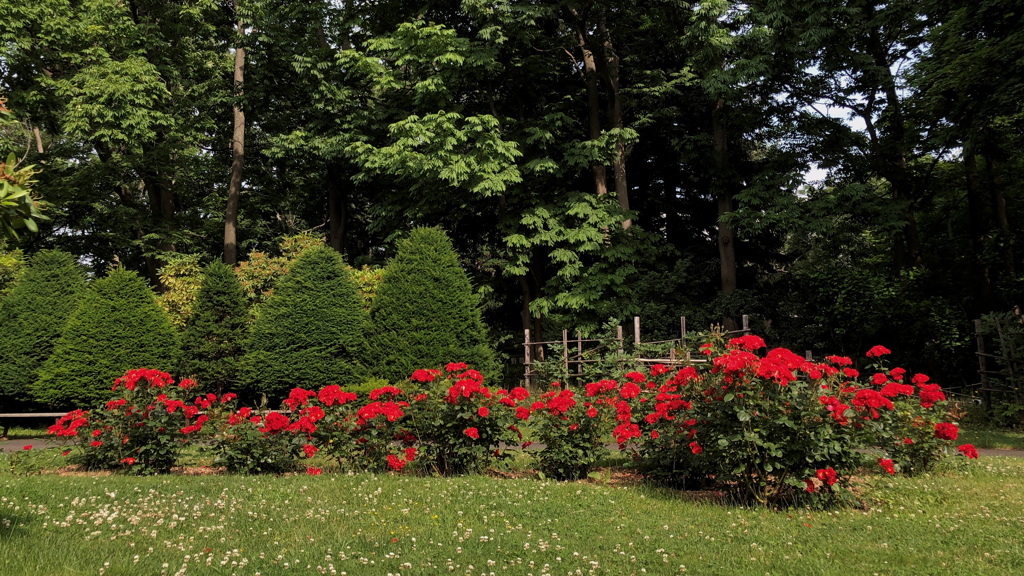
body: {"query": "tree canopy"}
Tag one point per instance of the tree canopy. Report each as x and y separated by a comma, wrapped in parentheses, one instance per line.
(842, 172)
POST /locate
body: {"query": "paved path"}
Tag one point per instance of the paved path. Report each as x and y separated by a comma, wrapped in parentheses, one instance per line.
(35, 443)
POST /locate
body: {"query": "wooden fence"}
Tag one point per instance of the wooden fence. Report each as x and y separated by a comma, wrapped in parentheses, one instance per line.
(999, 360)
(577, 352)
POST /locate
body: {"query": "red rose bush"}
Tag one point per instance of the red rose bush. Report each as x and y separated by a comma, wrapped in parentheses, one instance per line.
(765, 425)
(142, 429)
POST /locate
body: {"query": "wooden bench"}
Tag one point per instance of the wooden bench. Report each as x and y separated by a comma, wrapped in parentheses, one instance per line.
(7, 416)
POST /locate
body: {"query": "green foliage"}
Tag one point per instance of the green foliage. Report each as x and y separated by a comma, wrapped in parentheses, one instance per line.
(19, 207)
(310, 331)
(425, 313)
(33, 318)
(1004, 333)
(246, 447)
(117, 326)
(261, 271)
(211, 343)
(12, 265)
(181, 279)
(572, 432)
(368, 280)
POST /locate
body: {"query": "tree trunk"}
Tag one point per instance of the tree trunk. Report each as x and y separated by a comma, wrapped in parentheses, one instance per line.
(610, 70)
(723, 192)
(976, 224)
(337, 204)
(593, 112)
(891, 152)
(237, 159)
(995, 186)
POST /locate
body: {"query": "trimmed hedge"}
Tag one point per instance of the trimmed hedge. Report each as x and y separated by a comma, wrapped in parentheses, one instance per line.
(425, 312)
(32, 317)
(309, 332)
(211, 343)
(117, 326)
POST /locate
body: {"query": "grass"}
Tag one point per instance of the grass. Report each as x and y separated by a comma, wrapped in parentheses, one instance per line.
(995, 439)
(966, 520)
(22, 433)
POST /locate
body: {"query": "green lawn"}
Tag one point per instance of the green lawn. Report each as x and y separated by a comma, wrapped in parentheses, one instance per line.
(998, 439)
(22, 433)
(966, 521)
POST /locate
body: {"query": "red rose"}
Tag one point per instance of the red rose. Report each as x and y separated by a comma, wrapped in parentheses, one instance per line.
(424, 375)
(27, 447)
(472, 433)
(129, 461)
(877, 351)
(946, 431)
(314, 471)
(309, 449)
(695, 448)
(839, 360)
(395, 463)
(886, 465)
(968, 450)
(483, 412)
(827, 475)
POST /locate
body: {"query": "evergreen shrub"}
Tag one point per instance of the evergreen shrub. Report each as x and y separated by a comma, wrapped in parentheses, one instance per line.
(33, 316)
(117, 326)
(425, 312)
(309, 332)
(211, 343)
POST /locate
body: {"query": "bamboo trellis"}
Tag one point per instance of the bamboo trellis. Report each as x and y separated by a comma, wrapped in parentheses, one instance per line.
(1000, 373)
(577, 352)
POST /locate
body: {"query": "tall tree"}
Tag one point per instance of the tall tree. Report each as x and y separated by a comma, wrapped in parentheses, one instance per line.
(237, 147)
(126, 89)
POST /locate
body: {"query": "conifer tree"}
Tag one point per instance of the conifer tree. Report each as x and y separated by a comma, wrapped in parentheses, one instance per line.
(33, 316)
(425, 313)
(117, 326)
(310, 331)
(213, 338)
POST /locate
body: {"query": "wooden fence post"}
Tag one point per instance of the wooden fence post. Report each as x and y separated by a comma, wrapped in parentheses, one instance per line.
(746, 323)
(636, 330)
(565, 352)
(579, 356)
(682, 329)
(526, 357)
(983, 384)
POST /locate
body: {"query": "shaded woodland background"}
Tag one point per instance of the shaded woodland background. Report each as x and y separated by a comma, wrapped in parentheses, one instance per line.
(591, 160)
